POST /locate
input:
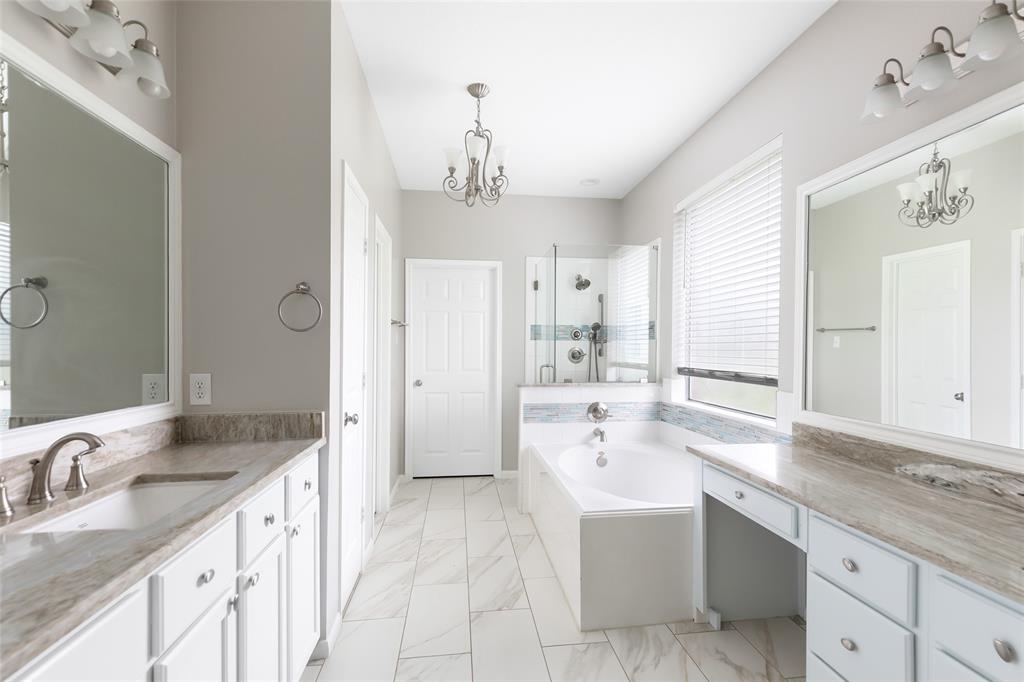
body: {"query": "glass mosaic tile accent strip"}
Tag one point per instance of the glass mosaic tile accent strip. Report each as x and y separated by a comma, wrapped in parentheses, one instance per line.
(568, 413)
(719, 427)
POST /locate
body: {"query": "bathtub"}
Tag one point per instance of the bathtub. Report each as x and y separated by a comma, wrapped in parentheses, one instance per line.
(618, 531)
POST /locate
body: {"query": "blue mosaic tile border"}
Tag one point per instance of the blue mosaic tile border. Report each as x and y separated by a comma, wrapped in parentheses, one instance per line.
(568, 413)
(719, 427)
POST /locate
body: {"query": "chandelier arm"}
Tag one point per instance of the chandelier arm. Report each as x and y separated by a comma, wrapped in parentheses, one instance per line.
(451, 188)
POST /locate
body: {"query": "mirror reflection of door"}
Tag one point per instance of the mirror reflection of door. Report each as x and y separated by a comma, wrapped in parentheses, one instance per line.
(926, 367)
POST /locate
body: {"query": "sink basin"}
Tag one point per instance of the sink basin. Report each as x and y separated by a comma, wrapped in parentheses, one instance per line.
(136, 506)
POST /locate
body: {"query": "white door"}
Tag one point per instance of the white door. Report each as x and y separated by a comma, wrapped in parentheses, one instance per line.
(303, 587)
(383, 333)
(453, 424)
(928, 340)
(208, 651)
(262, 640)
(356, 221)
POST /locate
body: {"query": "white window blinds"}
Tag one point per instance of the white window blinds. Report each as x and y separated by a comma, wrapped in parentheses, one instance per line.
(726, 268)
(5, 281)
(633, 306)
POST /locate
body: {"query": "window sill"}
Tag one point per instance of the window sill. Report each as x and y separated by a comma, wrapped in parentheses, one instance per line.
(763, 422)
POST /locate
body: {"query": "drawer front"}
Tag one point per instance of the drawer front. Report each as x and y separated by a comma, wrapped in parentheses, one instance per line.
(260, 521)
(945, 668)
(186, 587)
(775, 512)
(882, 579)
(302, 484)
(817, 671)
(976, 630)
(853, 639)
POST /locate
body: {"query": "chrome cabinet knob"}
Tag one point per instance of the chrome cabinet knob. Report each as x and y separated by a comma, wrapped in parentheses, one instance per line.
(1004, 650)
(849, 565)
(307, 484)
(351, 419)
(739, 494)
(233, 603)
(959, 396)
(848, 644)
(254, 580)
(206, 577)
(296, 530)
(269, 519)
(417, 383)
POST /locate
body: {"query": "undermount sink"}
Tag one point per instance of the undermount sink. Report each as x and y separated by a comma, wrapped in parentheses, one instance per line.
(137, 506)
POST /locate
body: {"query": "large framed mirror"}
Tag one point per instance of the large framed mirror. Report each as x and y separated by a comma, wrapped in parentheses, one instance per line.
(913, 288)
(89, 271)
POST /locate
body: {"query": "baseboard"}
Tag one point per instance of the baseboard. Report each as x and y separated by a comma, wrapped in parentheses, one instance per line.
(508, 473)
(323, 648)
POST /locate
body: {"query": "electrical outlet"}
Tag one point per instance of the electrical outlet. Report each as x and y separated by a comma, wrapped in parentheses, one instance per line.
(200, 389)
(154, 389)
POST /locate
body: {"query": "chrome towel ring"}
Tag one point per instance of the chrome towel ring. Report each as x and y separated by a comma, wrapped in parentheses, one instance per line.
(301, 289)
(36, 284)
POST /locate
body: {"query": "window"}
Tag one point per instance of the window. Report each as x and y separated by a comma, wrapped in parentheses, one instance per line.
(726, 269)
(632, 306)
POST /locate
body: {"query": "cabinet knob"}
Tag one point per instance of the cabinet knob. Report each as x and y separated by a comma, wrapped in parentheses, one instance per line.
(296, 529)
(848, 644)
(307, 484)
(254, 579)
(739, 494)
(233, 603)
(849, 565)
(351, 419)
(269, 519)
(206, 577)
(1004, 650)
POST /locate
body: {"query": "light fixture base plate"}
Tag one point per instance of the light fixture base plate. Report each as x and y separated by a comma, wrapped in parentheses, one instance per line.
(478, 90)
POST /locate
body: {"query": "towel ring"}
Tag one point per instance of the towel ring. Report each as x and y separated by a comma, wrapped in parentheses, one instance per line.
(301, 289)
(36, 284)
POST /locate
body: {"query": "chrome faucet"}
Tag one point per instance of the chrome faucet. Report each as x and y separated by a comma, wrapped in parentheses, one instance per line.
(40, 490)
(599, 432)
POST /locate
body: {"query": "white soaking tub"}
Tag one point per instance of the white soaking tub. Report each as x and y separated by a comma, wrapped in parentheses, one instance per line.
(618, 531)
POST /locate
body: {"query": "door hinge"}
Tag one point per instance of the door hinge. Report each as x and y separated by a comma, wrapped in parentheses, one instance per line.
(366, 246)
(536, 285)
(362, 514)
(364, 379)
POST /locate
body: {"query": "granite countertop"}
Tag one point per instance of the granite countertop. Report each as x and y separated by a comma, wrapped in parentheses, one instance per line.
(979, 540)
(52, 582)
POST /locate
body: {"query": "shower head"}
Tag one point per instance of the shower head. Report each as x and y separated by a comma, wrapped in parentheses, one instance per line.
(582, 283)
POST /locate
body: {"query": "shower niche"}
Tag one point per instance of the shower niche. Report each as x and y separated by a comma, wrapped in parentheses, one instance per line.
(592, 314)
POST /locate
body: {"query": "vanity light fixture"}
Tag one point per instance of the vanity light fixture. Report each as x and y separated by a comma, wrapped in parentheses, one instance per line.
(67, 12)
(884, 97)
(925, 201)
(995, 36)
(477, 142)
(103, 39)
(934, 70)
(146, 70)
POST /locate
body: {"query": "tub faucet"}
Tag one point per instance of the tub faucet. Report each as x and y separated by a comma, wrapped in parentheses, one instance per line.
(599, 432)
(40, 490)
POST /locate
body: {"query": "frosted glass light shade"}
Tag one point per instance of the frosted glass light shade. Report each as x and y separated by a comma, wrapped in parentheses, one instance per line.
(452, 156)
(103, 40)
(932, 72)
(501, 156)
(993, 39)
(476, 145)
(909, 191)
(146, 73)
(67, 12)
(883, 100)
(962, 178)
(926, 182)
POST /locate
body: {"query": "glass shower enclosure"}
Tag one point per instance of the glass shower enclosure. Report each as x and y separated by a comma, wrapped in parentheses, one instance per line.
(592, 314)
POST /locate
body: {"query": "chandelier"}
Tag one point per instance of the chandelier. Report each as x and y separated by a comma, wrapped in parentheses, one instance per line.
(477, 144)
(925, 201)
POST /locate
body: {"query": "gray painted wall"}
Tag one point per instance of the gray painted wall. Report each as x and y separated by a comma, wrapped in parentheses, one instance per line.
(157, 116)
(848, 240)
(520, 226)
(813, 95)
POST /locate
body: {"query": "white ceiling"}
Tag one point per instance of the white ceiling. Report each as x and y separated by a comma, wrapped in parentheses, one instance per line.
(579, 90)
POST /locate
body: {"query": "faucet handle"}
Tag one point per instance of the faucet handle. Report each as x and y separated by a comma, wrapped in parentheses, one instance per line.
(6, 508)
(76, 477)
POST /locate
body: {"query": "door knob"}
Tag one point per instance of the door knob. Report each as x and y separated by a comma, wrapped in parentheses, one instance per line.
(417, 383)
(351, 419)
(959, 396)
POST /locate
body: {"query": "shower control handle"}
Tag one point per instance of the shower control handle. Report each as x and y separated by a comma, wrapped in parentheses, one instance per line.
(418, 383)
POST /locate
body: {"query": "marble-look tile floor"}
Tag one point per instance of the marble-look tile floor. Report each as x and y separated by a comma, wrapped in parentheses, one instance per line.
(459, 587)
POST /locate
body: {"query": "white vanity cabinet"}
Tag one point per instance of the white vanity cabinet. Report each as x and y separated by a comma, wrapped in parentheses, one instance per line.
(303, 557)
(261, 613)
(209, 651)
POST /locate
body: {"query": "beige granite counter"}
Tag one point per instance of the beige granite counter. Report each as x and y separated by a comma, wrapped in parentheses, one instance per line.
(976, 539)
(52, 582)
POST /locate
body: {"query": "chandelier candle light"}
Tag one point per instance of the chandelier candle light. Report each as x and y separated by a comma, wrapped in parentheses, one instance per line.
(928, 195)
(477, 142)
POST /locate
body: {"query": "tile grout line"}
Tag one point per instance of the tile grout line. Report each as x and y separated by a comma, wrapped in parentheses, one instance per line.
(408, 603)
(767, 662)
(469, 606)
(687, 651)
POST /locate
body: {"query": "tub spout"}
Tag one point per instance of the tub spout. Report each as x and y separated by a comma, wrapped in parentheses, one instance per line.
(599, 432)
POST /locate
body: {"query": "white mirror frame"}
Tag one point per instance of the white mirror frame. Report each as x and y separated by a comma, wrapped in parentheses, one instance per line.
(974, 451)
(30, 438)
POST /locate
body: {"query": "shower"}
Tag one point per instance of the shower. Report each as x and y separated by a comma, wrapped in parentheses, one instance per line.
(582, 283)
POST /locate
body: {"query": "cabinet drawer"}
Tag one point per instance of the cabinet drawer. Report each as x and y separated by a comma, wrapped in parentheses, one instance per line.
(879, 577)
(945, 668)
(853, 639)
(302, 485)
(817, 671)
(976, 629)
(767, 509)
(259, 522)
(186, 587)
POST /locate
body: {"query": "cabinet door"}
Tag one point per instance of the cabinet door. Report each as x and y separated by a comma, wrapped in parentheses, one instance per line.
(303, 587)
(113, 646)
(209, 649)
(262, 640)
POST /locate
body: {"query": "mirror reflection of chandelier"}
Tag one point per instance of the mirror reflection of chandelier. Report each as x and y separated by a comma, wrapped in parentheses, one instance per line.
(926, 201)
(478, 152)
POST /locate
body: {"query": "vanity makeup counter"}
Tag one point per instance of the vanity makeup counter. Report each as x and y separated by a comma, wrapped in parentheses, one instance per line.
(51, 583)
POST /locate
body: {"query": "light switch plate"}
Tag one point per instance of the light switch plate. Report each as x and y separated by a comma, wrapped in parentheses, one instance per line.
(200, 389)
(154, 389)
